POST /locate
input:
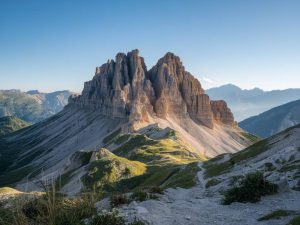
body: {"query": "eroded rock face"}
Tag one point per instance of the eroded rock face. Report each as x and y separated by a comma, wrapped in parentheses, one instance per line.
(125, 89)
(221, 112)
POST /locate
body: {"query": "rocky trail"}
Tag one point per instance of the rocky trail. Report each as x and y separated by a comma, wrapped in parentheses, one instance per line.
(198, 206)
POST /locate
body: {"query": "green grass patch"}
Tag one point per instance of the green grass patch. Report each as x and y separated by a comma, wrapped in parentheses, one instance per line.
(162, 177)
(109, 169)
(212, 170)
(122, 138)
(294, 221)
(275, 215)
(250, 152)
(185, 177)
(215, 159)
(164, 151)
(85, 157)
(251, 137)
(269, 166)
(212, 182)
(290, 167)
(111, 136)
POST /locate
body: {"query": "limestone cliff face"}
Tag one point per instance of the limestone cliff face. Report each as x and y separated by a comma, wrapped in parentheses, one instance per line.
(221, 112)
(119, 88)
(125, 89)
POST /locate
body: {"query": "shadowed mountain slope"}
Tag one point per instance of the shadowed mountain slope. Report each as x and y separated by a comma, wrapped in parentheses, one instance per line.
(273, 120)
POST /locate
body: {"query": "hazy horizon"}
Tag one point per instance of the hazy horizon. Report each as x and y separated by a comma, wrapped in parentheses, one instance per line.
(79, 92)
(56, 45)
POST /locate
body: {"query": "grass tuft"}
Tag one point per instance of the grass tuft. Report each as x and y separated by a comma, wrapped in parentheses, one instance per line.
(212, 182)
(275, 215)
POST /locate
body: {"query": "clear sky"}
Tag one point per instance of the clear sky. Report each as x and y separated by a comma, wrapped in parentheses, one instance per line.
(56, 44)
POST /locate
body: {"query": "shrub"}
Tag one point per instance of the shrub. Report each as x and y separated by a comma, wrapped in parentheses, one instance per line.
(107, 218)
(269, 166)
(31, 209)
(156, 190)
(250, 189)
(118, 199)
(153, 196)
(6, 215)
(139, 195)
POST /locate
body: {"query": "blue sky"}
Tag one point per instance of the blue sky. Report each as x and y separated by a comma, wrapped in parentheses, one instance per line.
(54, 45)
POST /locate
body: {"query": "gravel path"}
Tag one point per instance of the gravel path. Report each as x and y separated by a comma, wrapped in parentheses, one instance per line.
(195, 207)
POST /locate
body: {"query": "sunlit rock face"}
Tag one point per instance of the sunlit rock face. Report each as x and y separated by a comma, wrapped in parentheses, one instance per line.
(124, 88)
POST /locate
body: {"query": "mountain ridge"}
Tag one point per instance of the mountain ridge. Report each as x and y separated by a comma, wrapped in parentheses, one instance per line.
(273, 120)
(241, 100)
(32, 106)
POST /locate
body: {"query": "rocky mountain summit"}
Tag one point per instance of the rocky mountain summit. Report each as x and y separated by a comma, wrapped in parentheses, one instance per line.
(159, 119)
(124, 88)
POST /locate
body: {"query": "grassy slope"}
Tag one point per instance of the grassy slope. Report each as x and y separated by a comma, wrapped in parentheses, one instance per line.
(140, 161)
(219, 165)
(10, 124)
(8, 190)
(108, 169)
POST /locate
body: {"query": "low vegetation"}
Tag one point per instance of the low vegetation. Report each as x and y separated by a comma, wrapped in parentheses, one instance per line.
(112, 218)
(216, 169)
(212, 182)
(105, 218)
(52, 208)
(185, 177)
(140, 195)
(251, 151)
(8, 190)
(294, 221)
(250, 189)
(47, 210)
(118, 199)
(108, 169)
(138, 162)
(10, 124)
(275, 215)
(251, 137)
(111, 136)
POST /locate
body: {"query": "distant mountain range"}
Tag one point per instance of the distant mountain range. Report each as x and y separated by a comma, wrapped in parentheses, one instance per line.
(247, 103)
(32, 106)
(273, 120)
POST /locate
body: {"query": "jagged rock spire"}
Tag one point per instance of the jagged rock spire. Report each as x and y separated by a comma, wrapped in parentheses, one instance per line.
(124, 88)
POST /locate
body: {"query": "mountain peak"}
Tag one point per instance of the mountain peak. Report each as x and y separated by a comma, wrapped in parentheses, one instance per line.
(124, 88)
